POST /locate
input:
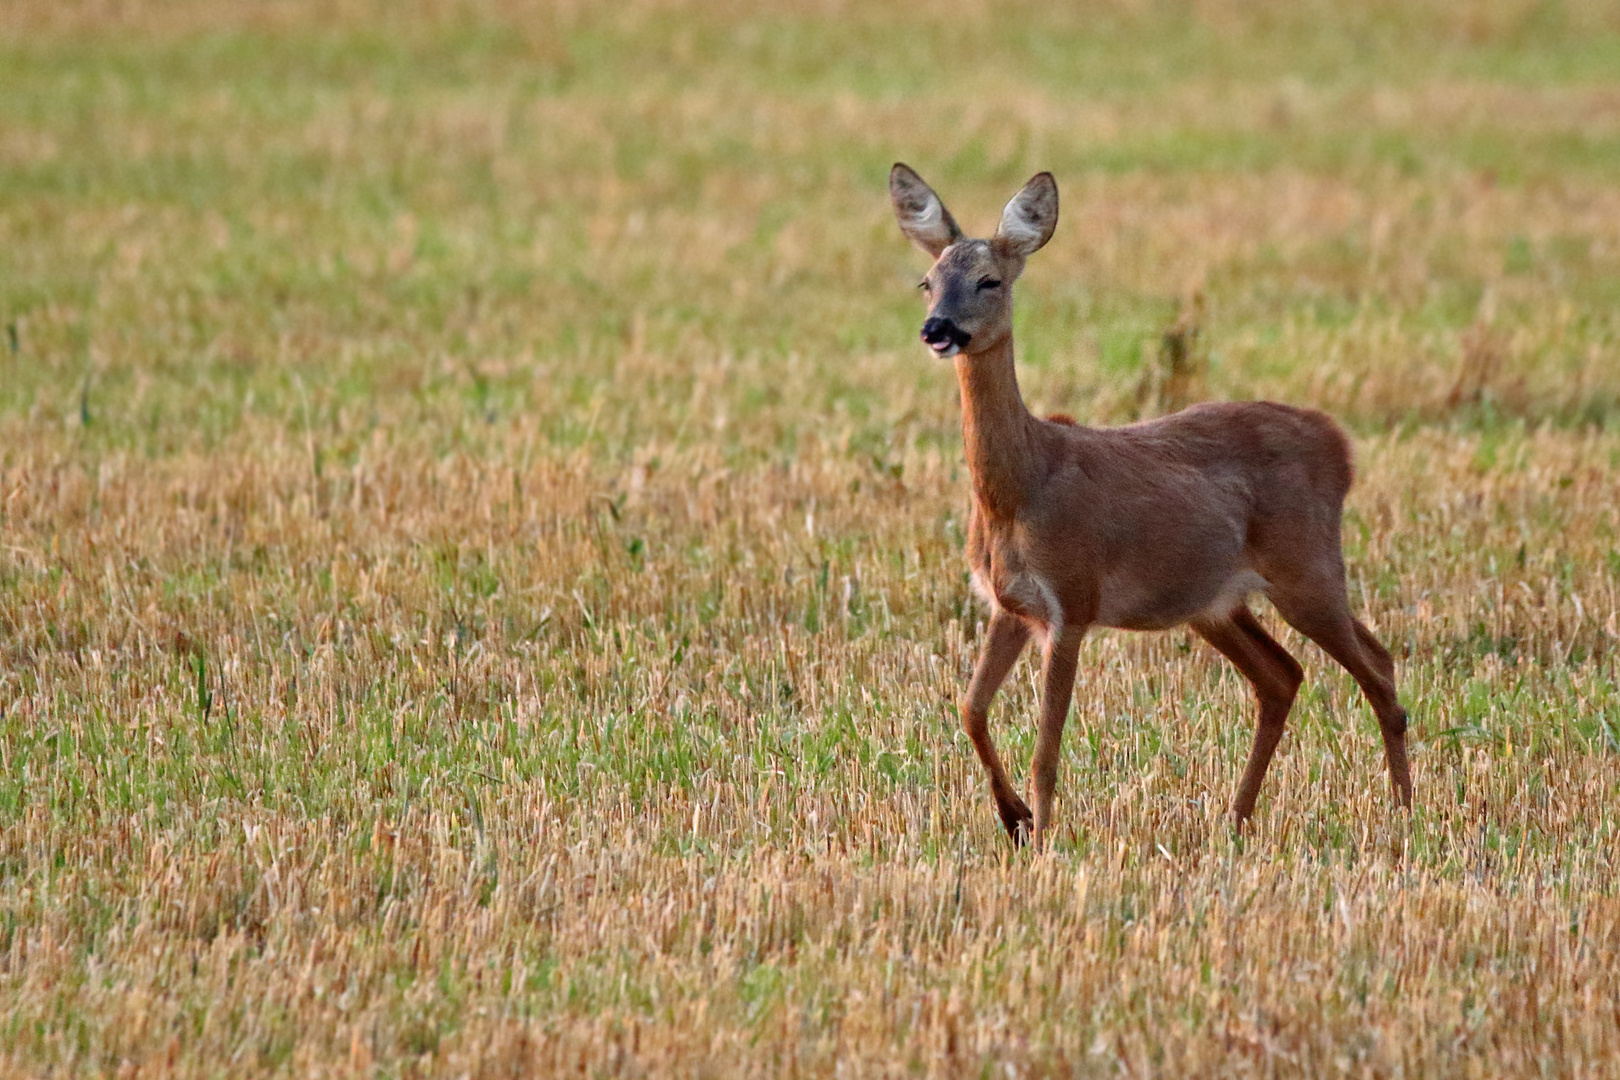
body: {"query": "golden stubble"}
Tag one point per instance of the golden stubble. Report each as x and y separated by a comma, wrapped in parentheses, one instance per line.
(744, 912)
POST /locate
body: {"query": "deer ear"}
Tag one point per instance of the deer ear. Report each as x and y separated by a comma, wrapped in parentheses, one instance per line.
(923, 218)
(1028, 221)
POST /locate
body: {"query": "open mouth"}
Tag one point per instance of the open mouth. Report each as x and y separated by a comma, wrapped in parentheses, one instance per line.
(944, 337)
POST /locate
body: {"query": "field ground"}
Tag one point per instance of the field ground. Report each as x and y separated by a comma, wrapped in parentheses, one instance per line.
(480, 582)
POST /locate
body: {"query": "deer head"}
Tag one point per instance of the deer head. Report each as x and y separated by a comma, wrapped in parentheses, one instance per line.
(969, 287)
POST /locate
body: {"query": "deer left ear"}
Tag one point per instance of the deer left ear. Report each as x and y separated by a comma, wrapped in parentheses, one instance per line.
(1029, 219)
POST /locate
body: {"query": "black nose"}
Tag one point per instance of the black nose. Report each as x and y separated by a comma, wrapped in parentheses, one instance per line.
(938, 330)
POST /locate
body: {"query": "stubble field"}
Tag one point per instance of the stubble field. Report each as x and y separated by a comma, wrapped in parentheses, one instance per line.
(480, 579)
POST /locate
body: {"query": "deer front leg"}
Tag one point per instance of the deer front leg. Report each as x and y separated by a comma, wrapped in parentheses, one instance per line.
(1004, 642)
(1060, 658)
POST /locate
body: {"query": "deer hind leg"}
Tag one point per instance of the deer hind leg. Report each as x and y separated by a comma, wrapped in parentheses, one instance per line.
(1006, 640)
(1325, 618)
(1275, 676)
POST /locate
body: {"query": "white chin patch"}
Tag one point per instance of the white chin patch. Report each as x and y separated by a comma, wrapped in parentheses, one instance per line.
(944, 349)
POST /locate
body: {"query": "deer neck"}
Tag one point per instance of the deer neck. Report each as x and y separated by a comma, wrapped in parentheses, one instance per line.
(997, 430)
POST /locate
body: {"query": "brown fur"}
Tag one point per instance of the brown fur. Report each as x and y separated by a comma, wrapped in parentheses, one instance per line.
(1145, 527)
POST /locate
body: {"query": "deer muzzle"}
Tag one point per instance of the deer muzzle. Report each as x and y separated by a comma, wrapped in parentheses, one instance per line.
(944, 336)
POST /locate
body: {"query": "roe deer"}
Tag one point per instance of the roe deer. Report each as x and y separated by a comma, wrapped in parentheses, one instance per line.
(1145, 527)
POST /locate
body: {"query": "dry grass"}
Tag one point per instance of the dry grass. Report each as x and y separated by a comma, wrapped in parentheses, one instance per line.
(480, 584)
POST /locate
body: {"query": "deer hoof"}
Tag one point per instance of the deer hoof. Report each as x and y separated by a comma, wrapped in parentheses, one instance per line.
(1019, 823)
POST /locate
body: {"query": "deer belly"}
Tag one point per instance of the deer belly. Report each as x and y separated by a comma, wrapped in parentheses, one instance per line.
(1131, 603)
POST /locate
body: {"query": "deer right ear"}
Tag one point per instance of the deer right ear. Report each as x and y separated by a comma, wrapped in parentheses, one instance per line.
(923, 218)
(1029, 219)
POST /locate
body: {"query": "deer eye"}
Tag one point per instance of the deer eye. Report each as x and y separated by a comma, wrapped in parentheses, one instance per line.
(988, 283)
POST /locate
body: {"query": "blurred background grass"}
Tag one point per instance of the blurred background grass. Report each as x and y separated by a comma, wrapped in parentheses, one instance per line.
(281, 212)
